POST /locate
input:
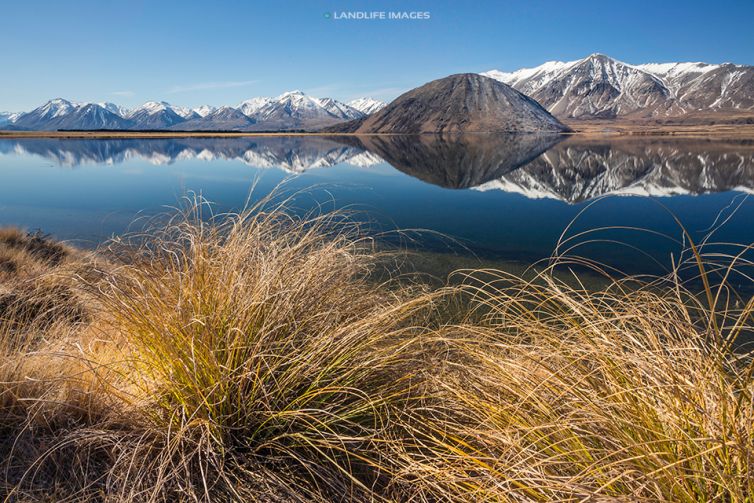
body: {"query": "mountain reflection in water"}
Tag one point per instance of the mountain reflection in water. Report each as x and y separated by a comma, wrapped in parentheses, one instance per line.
(291, 153)
(571, 170)
(502, 197)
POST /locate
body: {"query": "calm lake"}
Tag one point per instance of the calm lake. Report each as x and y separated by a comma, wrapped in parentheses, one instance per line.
(500, 198)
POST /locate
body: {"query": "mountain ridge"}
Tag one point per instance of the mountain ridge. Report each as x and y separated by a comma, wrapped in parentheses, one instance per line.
(599, 86)
(290, 110)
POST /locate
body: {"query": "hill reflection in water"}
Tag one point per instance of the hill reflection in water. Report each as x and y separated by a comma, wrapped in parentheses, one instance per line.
(571, 170)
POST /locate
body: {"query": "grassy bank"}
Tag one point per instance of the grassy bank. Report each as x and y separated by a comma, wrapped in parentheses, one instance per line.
(254, 358)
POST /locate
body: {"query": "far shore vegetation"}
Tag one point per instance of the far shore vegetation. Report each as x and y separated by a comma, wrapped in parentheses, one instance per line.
(266, 357)
(739, 125)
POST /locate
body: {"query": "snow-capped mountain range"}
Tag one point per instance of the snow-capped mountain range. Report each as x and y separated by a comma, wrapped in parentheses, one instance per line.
(599, 86)
(596, 86)
(290, 111)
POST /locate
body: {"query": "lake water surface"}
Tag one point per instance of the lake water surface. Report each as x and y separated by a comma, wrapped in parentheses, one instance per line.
(506, 198)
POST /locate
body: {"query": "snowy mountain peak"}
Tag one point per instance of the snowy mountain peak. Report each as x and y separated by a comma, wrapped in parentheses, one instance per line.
(367, 105)
(113, 108)
(253, 105)
(674, 69)
(204, 110)
(294, 96)
(154, 106)
(542, 73)
(56, 108)
(156, 115)
(340, 110)
(184, 112)
(297, 96)
(293, 103)
(8, 117)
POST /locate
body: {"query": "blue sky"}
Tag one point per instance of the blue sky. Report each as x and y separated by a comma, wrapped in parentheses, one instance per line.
(222, 52)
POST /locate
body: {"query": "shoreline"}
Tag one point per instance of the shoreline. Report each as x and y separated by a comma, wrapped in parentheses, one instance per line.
(591, 129)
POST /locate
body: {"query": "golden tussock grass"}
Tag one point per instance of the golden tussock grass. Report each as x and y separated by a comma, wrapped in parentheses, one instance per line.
(254, 357)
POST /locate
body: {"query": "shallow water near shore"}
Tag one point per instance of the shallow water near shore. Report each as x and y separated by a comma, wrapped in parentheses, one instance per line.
(498, 198)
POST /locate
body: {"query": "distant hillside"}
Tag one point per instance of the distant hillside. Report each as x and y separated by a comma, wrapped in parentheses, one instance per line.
(461, 103)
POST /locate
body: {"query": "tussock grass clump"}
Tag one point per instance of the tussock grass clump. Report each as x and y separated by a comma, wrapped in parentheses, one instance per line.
(566, 394)
(255, 357)
(257, 353)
